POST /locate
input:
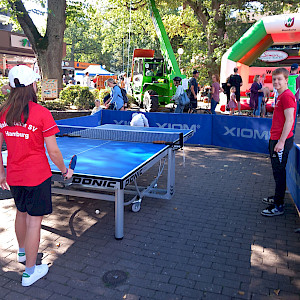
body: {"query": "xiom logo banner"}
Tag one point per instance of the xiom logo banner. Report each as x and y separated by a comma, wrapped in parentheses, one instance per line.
(289, 22)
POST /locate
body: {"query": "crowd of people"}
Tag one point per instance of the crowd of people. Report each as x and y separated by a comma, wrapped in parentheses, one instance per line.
(258, 96)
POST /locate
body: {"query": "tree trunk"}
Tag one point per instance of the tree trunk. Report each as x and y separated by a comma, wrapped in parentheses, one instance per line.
(50, 57)
(48, 49)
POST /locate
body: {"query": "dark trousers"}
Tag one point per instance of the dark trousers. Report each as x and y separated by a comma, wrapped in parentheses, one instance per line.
(279, 172)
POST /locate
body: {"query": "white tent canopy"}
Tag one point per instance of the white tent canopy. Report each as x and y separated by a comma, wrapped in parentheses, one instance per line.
(97, 70)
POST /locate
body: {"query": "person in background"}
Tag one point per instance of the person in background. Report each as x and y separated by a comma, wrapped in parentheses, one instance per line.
(67, 78)
(215, 93)
(232, 102)
(116, 99)
(73, 79)
(281, 140)
(265, 100)
(254, 94)
(96, 81)
(226, 90)
(262, 79)
(97, 107)
(27, 128)
(122, 82)
(127, 83)
(236, 81)
(275, 95)
(139, 120)
(260, 99)
(193, 91)
(295, 71)
(179, 92)
(86, 80)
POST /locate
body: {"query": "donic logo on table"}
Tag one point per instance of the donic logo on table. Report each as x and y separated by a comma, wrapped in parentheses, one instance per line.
(94, 182)
(247, 133)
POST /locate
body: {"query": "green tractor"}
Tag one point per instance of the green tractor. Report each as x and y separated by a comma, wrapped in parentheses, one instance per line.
(152, 84)
(152, 78)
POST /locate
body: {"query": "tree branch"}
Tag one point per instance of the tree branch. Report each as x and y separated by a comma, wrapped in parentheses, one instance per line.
(199, 12)
(26, 22)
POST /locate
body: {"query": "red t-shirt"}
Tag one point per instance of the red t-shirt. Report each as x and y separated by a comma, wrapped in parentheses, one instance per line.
(27, 163)
(284, 101)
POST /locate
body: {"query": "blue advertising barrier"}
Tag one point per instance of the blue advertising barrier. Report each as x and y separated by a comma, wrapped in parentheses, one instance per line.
(293, 174)
(200, 124)
(87, 121)
(242, 133)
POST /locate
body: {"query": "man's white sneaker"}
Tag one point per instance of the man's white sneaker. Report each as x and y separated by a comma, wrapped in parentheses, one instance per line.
(21, 257)
(39, 272)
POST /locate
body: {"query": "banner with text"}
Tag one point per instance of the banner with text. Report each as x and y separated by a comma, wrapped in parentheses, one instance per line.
(293, 174)
(243, 133)
(200, 124)
(86, 121)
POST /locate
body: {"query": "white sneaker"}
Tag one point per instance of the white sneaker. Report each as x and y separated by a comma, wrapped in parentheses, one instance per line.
(39, 272)
(21, 257)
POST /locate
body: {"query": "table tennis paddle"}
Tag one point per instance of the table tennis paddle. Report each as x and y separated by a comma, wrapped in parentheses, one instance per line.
(171, 143)
(72, 166)
(73, 162)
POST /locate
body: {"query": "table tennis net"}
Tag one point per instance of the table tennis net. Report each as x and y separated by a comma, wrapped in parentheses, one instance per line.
(120, 135)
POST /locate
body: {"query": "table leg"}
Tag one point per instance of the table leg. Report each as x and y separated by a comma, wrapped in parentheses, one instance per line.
(119, 214)
(171, 173)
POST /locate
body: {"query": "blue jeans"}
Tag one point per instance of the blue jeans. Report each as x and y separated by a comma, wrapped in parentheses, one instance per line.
(257, 111)
(179, 108)
(213, 106)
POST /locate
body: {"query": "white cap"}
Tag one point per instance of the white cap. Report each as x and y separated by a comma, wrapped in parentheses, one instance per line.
(25, 75)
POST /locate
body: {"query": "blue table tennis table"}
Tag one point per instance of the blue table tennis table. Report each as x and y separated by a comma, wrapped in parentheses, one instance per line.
(110, 158)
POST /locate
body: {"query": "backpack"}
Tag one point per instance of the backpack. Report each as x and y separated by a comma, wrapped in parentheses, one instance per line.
(124, 95)
(184, 100)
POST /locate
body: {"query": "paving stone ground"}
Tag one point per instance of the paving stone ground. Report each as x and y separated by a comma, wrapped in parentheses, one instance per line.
(208, 242)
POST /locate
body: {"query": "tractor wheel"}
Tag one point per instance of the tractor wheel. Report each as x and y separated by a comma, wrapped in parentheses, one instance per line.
(150, 101)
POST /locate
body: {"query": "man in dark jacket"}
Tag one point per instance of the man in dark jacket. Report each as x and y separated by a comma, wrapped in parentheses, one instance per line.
(193, 91)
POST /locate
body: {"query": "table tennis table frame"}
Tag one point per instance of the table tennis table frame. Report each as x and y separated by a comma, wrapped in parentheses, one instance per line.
(115, 188)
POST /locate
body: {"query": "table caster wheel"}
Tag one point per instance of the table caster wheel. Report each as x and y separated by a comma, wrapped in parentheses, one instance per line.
(136, 207)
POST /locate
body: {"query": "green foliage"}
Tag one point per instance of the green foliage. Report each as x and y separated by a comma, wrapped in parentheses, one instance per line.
(85, 99)
(103, 93)
(3, 81)
(69, 94)
(131, 100)
(77, 95)
(56, 104)
(96, 93)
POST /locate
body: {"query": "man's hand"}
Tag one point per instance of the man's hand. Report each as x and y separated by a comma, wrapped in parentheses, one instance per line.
(279, 146)
(195, 96)
(3, 183)
(69, 174)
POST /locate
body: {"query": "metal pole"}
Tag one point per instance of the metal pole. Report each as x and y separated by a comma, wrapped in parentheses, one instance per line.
(129, 40)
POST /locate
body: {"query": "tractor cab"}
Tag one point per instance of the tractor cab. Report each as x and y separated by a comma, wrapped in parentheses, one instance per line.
(151, 84)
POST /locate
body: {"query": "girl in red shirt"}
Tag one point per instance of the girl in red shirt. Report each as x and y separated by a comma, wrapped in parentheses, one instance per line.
(26, 126)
